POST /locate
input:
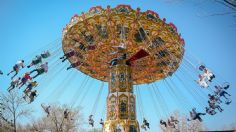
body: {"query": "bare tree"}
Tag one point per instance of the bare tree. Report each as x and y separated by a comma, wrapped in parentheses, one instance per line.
(57, 121)
(95, 130)
(231, 126)
(184, 125)
(14, 107)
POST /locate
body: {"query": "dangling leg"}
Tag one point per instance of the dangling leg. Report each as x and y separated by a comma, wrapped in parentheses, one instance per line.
(10, 72)
(72, 66)
(219, 108)
(31, 99)
(31, 64)
(33, 71)
(198, 117)
(36, 75)
(147, 124)
(39, 72)
(68, 68)
(227, 93)
(212, 77)
(24, 97)
(223, 94)
(202, 113)
(65, 58)
(165, 124)
(11, 87)
(144, 127)
(16, 72)
(62, 57)
(21, 84)
(27, 90)
(219, 100)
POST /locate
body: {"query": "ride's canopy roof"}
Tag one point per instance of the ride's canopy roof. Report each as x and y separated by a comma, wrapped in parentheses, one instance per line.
(94, 35)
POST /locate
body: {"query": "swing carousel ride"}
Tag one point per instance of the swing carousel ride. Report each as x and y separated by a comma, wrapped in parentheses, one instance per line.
(123, 47)
(126, 48)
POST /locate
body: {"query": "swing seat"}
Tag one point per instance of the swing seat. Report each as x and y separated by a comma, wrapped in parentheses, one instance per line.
(40, 71)
(36, 61)
(201, 67)
(45, 55)
(143, 127)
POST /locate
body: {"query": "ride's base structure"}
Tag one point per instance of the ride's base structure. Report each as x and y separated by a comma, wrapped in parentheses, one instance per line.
(121, 112)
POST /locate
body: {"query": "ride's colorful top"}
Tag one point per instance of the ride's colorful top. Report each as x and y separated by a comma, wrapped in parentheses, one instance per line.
(96, 35)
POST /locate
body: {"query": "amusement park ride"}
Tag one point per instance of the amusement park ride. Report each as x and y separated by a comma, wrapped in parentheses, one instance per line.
(123, 47)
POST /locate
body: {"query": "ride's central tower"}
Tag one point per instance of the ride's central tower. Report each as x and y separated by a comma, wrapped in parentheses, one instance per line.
(121, 103)
(154, 49)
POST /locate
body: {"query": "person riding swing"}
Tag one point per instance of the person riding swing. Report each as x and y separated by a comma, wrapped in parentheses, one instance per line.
(32, 96)
(16, 68)
(46, 109)
(202, 81)
(66, 114)
(91, 121)
(73, 65)
(14, 83)
(207, 73)
(162, 122)
(25, 79)
(210, 111)
(67, 55)
(30, 86)
(42, 69)
(195, 115)
(101, 122)
(45, 54)
(37, 60)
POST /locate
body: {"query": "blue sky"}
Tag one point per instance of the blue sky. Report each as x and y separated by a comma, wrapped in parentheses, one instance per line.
(28, 26)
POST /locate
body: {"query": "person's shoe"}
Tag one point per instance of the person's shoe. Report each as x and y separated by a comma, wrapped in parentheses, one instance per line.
(28, 66)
